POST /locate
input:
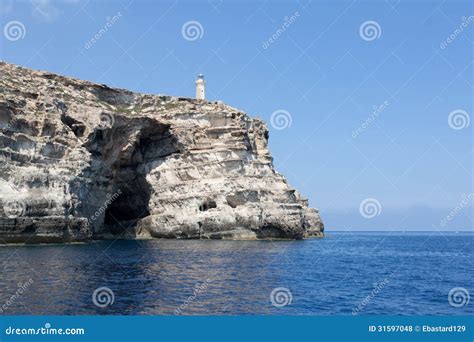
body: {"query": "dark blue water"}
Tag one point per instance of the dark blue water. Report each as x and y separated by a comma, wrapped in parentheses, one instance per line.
(326, 276)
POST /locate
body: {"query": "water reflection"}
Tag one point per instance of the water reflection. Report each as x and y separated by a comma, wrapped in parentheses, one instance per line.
(153, 277)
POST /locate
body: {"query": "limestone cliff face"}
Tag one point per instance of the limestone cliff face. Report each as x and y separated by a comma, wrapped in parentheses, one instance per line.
(80, 160)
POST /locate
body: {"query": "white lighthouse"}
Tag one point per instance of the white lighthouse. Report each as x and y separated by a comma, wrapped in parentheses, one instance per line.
(200, 87)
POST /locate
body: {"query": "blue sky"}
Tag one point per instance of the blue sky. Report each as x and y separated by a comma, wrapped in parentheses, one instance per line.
(322, 70)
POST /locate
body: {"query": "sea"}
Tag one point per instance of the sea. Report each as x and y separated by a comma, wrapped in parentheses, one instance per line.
(344, 273)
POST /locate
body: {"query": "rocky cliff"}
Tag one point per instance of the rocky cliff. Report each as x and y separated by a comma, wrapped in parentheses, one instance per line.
(80, 160)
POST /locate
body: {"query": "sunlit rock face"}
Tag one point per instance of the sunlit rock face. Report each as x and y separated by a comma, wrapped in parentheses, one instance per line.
(80, 161)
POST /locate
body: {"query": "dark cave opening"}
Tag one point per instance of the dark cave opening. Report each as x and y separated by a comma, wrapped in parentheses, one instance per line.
(129, 206)
(209, 204)
(121, 154)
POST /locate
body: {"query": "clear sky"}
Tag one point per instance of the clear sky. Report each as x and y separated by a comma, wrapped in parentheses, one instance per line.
(320, 65)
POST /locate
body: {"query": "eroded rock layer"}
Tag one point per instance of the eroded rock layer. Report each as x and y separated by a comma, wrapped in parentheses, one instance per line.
(80, 160)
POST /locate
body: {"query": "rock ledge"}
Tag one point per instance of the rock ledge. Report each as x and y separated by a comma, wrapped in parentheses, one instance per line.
(81, 161)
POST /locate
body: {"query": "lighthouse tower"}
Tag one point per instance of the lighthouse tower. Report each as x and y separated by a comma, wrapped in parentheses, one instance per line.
(200, 87)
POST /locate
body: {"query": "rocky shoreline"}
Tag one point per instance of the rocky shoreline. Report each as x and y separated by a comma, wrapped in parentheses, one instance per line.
(82, 161)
